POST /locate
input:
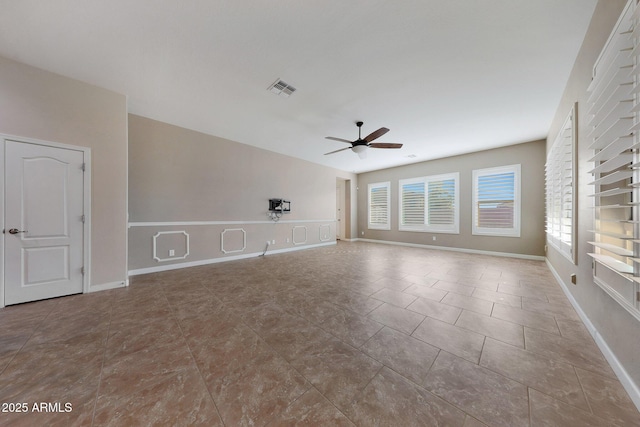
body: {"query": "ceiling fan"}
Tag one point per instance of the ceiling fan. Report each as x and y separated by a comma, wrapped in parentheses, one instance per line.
(360, 145)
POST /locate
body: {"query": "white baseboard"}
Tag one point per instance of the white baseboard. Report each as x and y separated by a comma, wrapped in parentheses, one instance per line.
(626, 381)
(160, 268)
(448, 248)
(107, 286)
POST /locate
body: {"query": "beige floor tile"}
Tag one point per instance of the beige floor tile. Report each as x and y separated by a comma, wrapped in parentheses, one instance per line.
(399, 299)
(472, 422)
(426, 292)
(178, 398)
(468, 303)
(406, 355)
(394, 284)
(351, 328)
(453, 339)
(420, 280)
(397, 318)
(523, 291)
(560, 309)
(487, 396)
(608, 398)
(547, 411)
(575, 331)
(253, 391)
(338, 371)
(498, 297)
(490, 285)
(530, 319)
(501, 330)
(390, 400)
(436, 310)
(454, 287)
(129, 373)
(359, 304)
(310, 409)
(552, 377)
(572, 352)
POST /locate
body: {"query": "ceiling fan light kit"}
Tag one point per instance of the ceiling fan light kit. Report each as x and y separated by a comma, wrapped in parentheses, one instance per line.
(360, 150)
(361, 145)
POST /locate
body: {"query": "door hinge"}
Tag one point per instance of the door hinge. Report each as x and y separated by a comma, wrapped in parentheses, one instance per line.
(84, 167)
(82, 218)
(82, 270)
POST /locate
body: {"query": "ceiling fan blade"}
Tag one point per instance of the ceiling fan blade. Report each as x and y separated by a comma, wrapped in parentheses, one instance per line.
(384, 145)
(375, 135)
(337, 139)
(337, 151)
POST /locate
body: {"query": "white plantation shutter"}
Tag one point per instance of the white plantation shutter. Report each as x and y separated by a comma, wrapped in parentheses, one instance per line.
(613, 125)
(496, 201)
(412, 204)
(559, 177)
(379, 206)
(442, 203)
(430, 204)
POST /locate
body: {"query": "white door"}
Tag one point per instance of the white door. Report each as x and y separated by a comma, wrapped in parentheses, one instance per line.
(44, 227)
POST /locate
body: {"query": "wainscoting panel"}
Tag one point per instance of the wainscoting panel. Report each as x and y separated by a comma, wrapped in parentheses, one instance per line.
(299, 235)
(159, 245)
(236, 240)
(325, 232)
(170, 245)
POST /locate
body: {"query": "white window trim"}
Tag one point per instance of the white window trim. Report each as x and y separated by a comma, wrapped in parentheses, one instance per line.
(386, 226)
(500, 232)
(425, 227)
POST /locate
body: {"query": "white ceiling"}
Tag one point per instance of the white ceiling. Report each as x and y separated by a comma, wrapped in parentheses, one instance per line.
(446, 76)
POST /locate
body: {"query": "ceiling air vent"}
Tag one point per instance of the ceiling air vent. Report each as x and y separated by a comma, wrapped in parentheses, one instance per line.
(281, 88)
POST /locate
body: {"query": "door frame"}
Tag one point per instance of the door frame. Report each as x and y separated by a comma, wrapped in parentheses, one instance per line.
(86, 250)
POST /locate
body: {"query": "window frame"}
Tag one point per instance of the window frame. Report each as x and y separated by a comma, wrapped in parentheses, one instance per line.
(561, 185)
(379, 226)
(426, 227)
(517, 202)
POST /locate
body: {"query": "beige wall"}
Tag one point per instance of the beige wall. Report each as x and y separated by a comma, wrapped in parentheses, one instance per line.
(617, 328)
(46, 106)
(179, 175)
(532, 158)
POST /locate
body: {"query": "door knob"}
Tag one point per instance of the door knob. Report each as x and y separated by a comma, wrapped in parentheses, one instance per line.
(16, 231)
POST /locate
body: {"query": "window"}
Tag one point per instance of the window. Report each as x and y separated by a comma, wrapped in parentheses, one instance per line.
(613, 124)
(496, 201)
(430, 204)
(379, 206)
(560, 181)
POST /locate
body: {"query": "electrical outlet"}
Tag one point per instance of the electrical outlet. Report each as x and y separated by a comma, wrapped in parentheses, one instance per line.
(172, 252)
(574, 279)
(287, 240)
(273, 242)
(434, 237)
(363, 233)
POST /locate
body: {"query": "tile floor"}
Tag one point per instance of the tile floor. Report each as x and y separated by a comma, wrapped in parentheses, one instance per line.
(354, 334)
